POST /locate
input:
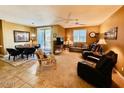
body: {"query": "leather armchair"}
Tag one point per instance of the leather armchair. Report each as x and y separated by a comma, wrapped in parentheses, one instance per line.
(92, 47)
(89, 54)
(101, 74)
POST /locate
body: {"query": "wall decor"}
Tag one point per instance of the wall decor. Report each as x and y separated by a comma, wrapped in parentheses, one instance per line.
(92, 34)
(111, 34)
(21, 36)
(54, 35)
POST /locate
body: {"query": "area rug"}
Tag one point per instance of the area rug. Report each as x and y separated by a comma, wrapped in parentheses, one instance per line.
(18, 61)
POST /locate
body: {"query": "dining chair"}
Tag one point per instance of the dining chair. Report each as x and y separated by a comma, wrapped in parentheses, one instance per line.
(29, 51)
(13, 52)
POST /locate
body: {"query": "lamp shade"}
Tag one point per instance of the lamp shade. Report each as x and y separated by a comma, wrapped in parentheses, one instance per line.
(1, 46)
(68, 42)
(33, 35)
(102, 41)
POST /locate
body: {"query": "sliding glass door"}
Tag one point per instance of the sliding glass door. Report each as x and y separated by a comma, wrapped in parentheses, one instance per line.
(47, 43)
(44, 38)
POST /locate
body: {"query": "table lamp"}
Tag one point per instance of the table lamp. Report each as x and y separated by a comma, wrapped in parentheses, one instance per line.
(1, 46)
(33, 36)
(102, 42)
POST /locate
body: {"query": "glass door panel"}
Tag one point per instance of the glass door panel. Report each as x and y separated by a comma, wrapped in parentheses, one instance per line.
(48, 39)
(40, 37)
(44, 38)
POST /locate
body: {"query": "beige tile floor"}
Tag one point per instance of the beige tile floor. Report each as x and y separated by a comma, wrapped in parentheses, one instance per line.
(61, 75)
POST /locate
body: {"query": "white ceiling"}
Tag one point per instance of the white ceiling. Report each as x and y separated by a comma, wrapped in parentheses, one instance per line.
(42, 15)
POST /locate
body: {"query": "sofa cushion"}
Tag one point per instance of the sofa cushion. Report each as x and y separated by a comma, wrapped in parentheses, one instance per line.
(80, 45)
(77, 44)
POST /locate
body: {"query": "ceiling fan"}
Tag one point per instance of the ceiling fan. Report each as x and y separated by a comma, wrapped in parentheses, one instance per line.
(68, 19)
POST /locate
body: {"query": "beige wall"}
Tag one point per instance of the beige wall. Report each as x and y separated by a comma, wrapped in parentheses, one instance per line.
(116, 19)
(58, 30)
(69, 32)
(8, 37)
(1, 38)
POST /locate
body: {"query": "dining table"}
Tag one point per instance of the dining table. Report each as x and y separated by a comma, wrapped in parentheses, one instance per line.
(22, 48)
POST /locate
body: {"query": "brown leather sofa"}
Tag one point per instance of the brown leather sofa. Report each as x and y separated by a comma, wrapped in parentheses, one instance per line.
(77, 47)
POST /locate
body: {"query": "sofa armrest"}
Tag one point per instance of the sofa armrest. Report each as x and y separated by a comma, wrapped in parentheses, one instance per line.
(88, 63)
(85, 49)
(85, 69)
(86, 53)
(93, 58)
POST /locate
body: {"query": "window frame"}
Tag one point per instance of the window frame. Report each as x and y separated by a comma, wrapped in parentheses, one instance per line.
(79, 36)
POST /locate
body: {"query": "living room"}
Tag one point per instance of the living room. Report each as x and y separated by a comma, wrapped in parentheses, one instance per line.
(58, 39)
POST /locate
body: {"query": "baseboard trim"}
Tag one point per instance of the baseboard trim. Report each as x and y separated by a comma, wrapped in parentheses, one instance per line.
(1, 55)
(119, 73)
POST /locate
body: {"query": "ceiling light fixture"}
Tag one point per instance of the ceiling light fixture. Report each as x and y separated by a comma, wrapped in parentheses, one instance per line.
(32, 23)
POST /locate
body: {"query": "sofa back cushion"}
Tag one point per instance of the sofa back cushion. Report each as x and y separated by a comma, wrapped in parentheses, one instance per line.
(93, 46)
(105, 66)
(107, 62)
(78, 44)
(112, 55)
(75, 45)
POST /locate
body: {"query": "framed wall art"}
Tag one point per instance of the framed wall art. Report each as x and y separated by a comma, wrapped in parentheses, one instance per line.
(54, 35)
(21, 36)
(111, 34)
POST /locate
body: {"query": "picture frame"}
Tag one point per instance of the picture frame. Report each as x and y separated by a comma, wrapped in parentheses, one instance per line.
(111, 34)
(21, 36)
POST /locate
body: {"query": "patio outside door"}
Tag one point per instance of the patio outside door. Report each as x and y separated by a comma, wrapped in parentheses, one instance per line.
(44, 38)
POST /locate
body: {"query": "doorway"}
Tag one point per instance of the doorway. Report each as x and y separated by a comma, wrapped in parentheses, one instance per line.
(44, 37)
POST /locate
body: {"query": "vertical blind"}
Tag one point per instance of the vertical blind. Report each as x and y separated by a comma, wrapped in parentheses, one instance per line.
(79, 35)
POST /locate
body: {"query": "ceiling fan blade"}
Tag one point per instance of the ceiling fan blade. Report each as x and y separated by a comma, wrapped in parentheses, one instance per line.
(69, 15)
(57, 21)
(77, 23)
(71, 19)
(67, 21)
(82, 24)
(60, 18)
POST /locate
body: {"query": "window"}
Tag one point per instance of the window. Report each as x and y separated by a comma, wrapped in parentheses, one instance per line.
(79, 35)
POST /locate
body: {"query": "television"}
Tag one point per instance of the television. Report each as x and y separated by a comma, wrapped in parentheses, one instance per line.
(59, 40)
